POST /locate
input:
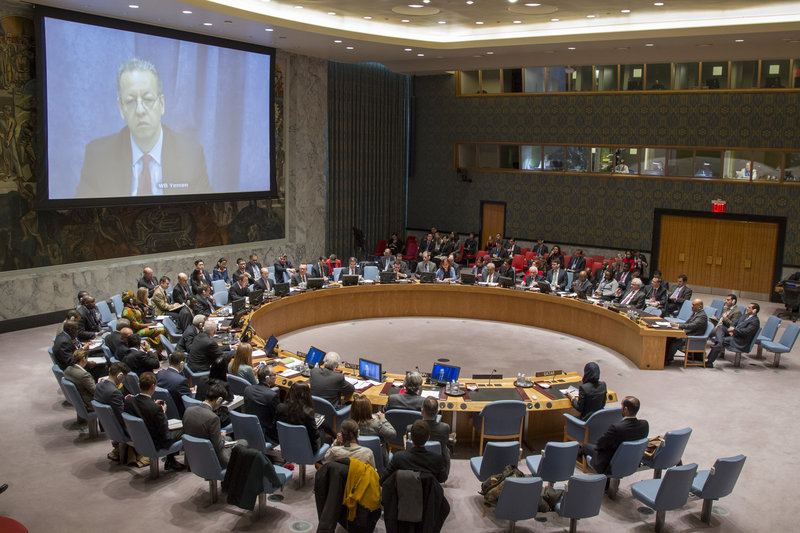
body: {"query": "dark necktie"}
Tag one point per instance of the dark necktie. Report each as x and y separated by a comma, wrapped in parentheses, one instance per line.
(144, 177)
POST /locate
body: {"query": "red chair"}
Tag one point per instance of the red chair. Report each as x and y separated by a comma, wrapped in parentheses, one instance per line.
(524, 251)
(518, 262)
(410, 239)
(460, 259)
(379, 249)
(596, 266)
(598, 258)
(589, 264)
(411, 250)
(529, 256)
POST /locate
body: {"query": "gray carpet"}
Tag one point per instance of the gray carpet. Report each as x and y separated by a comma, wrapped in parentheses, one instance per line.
(60, 481)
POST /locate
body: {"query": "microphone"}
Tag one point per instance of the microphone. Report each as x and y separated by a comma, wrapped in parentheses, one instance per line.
(491, 375)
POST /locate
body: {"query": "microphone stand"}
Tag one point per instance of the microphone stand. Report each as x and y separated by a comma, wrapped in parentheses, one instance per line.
(490, 377)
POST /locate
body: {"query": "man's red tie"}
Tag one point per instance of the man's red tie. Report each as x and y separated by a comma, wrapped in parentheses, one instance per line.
(144, 177)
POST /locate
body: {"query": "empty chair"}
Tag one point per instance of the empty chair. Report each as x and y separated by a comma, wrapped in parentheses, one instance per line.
(768, 332)
(370, 272)
(581, 499)
(515, 499)
(191, 376)
(221, 297)
(116, 300)
(172, 329)
(219, 286)
(670, 452)
(296, 448)
(59, 374)
(248, 427)
(696, 346)
(717, 483)
(400, 419)
(737, 360)
(337, 272)
(374, 443)
(168, 346)
(667, 493)
(625, 461)
(74, 397)
(684, 313)
(591, 429)
(112, 428)
(203, 462)
(105, 312)
(238, 385)
(556, 463)
(784, 345)
(500, 420)
(172, 409)
(653, 310)
(494, 459)
(144, 443)
(333, 417)
(718, 306)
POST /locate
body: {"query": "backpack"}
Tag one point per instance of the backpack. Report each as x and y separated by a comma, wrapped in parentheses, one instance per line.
(490, 489)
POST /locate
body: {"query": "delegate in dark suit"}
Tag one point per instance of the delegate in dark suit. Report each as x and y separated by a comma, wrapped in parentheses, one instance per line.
(317, 273)
(694, 326)
(181, 294)
(107, 169)
(112, 340)
(628, 429)
(440, 432)
(139, 361)
(681, 294)
(200, 421)
(185, 342)
(635, 298)
(329, 385)
(237, 292)
(419, 460)
(281, 275)
(404, 400)
(576, 264)
(176, 384)
(88, 323)
(203, 352)
(265, 284)
(253, 270)
(659, 295)
(560, 279)
(145, 408)
(356, 271)
(262, 401)
(107, 393)
(386, 263)
(743, 332)
(63, 348)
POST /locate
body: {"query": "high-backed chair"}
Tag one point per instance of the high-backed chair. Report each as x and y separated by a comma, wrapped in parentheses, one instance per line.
(112, 428)
(717, 483)
(768, 332)
(373, 442)
(248, 427)
(296, 448)
(556, 463)
(624, 462)
(74, 397)
(238, 385)
(653, 310)
(105, 311)
(737, 359)
(500, 420)
(219, 286)
(337, 272)
(59, 375)
(188, 401)
(172, 329)
(400, 419)
(433, 446)
(221, 297)
(333, 417)
(696, 346)
(203, 462)
(172, 409)
(131, 383)
(582, 498)
(165, 342)
(370, 272)
(784, 345)
(516, 497)
(144, 442)
(684, 313)
(670, 452)
(718, 306)
(116, 300)
(591, 429)
(191, 375)
(494, 459)
(667, 493)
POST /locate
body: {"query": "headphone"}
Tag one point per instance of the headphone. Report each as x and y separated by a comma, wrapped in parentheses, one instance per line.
(218, 401)
(120, 376)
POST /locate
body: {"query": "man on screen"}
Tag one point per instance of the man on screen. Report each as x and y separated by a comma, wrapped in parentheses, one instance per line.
(145, 158)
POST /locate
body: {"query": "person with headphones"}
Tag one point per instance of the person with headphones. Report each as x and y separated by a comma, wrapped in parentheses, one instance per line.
(201, 421)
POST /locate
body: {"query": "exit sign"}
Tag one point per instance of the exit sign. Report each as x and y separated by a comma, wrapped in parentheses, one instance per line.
(718, 206)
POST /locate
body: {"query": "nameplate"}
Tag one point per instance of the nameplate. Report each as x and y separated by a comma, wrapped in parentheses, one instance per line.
(547, 373)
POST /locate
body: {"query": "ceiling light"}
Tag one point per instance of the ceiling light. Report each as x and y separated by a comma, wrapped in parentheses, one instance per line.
(331, 12)
(133, 6)
(739, 41)
(406, 49)
(554, 20)
(625, 11)
(517, 22)
(415, 5)
(658, 3)
(512, 1)
(337, 41)
(207, 24)
(532, 5)
(649, 44)
(367, 18)
(405, 20)
(571, 48)
(186, 12)
(420, 55)
(489, 53)
(442, 22)
(470, 2)
(268, 29)
(349, 47)
(590, 16)
(479, 22)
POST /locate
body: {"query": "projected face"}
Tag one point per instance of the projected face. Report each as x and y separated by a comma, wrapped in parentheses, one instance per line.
(142, 106)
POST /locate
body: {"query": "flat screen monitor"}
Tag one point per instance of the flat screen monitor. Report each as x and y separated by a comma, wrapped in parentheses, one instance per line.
(467, 278)
(281, 289)
(256, 297)
(426, 277)
(237, 306)
(314, 356)
(315, 283)
(370, 370)
(507, 282)
(544, 287)
(444, 373)
(350, 279)
(238, 319)
(271, 344)
(388, 277)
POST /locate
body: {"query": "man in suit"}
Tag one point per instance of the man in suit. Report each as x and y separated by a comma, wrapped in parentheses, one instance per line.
(439, 431)
(470, 245)
(264, 283)
(511, 249)
(241, 270)
(634, 297)
(145, 158)
(428, 245)
(507, 271)
(352, 268)
(77, 374)
(173, 380)
(624, 277)
(204, 349)
(138, 358)
(152, 413)
(89, 320)
(557, 277)
(426, 265)
(630, 428)
(491, 275)
(540, 249)
(656, 294)
(320, 269)
(239, 288)
(163, 305)
(409, 397)
(201, 421)
(262, 401)
(694, 326)
(582, 284)
(65, 344)
(185, 342)
(399, 271)
(577, 262)
(115, 339)
(678, 295)
(418, 458)
(254, 268)
(738, 336)
(108, 393)
(148, 281)
(730, 314)
(300, 279)
(284, 269)
(326, 383)
(599, 274)
(181, 293)
(386, 261)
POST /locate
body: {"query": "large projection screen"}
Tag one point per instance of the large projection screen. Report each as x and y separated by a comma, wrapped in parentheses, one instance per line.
(135, 114)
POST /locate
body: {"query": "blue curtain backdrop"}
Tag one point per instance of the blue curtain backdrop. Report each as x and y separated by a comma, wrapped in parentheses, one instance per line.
(368, 130)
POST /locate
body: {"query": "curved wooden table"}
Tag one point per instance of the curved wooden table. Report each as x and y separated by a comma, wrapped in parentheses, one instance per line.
(644, 346)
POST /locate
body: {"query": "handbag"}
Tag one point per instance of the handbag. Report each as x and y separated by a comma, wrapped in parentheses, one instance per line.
(652, 446)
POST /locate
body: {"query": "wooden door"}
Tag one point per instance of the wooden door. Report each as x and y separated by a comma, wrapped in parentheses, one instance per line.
(493, 220)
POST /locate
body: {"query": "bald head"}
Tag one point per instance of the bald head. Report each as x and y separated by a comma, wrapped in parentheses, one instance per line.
(697, 304)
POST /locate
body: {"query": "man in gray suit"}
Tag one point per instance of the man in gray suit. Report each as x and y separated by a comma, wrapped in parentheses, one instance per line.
(328, 384)
(426, 265)
(82, 379)
(695, 325)
(678, 295)
(201, 421)
(738, 336)
(635, 297)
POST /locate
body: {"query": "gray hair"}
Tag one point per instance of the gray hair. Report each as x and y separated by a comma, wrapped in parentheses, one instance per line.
(209, 328)
(413, 382)
(198, 320)
(331, 360)
(141, 65)
(637, 282)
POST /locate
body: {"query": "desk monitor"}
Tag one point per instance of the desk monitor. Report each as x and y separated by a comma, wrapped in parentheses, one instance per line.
(350, 279)
(444, 373)
(237, 320)
(256, 297)
(281, 289)
(315, 283)
(370, 370)
(388, 277)
(426, 277)
(506, 282)
(237, 306)
(467, 278)
(544, 287)
(271, 344)
(314, 356)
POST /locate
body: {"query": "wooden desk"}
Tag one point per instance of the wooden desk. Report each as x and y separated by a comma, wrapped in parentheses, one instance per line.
(644, 346)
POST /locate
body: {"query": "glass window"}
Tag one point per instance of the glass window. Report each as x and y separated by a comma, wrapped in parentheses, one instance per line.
(686, 76)
(767, 166)
(602, 159)
(715, 75)
(469, 81)
(534, 80)
(577, 158)
(531, 157)
(774, 73)
(744, 74)
(737, 164)
(512, 80)
(556, 79)
(680, 162)
(553, 158)
(581, 79)
(606, 78)
(467, 156)
(632, 77)
(626, 160)
(653, 161)
(707, 163)
(509, 156)
(792, 172)
(490, 81)
(487, 156)
(659, 76)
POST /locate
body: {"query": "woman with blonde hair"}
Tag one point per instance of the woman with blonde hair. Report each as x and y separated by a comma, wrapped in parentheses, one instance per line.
(242, 364)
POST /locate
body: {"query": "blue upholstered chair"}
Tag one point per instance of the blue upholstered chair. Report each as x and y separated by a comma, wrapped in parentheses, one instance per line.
(333, 417)
(624, 462)
(717, 483)
(221, 297)
(737, 358)
(131, 383)
(591, 429)
(74, 397)
(248, 427)
(370, 272)
(670, 452)
(238, 385)
(768, 332)
(556, 463)
(667, 493)
(111, 427)
(581, 499)
(337, 272)
(296, 448)
(684, 313)
(168, 346)
(116, 300)
(718, 306)
(144, 443)
(433, 446)
(191, 375)
(653, 310)
(172, 409)
(495, 458)
(188, 401)
(500, 420)
(59, 375)
(518, 499)
(373, 442)
(172, 329)
(696, 346)
(400, 419)
(203, 462)
(784, 345)
(105, 312)
(219, 286)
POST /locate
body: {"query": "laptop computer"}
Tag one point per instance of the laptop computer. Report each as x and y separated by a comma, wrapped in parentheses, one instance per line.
(349, 279)
(467, 278)
(314, 283)
(237, 306)
(256, 297)
(506, 282)
(281, 289)
(388, 277)
(426, 277)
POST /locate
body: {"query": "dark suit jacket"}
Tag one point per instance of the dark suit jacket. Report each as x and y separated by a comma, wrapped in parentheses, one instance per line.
(107, 393)
(329, 385)
(204, 305)
(236, 274)
(282, 414)
(685, 294)
(200, 421)
(576, 263)
(139, 361)
(508, 252)
(203, 352)
(624, 279)
(405, 400)
(418, 460)
(696, 324)
(637, 300)
(591, 398)
(181, 294)
(561, 280)
(185, 342)
(265, 284)
(236, 291)
(297, 278)
(660, 295)
(63, 348)
(280, 270)
(107, 170)
(112, 341)
(150, 284)
(176, 384)
(626, 430)
(262, 401)
(383, 261)
(251, 269)
(145, 408)
(88, 323)
(426, 246)
(315, 271)
(539, 250)
(346, 271)
(743, 332)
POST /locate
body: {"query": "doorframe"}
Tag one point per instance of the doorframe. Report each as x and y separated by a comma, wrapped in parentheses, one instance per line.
(480, 217)
(658, 213)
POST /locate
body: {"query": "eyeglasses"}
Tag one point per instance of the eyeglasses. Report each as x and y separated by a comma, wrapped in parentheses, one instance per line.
(147, 101)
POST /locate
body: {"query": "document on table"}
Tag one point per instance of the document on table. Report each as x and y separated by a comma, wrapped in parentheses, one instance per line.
(174, 423)
(288, 373)
(97, 360)
(430, 393)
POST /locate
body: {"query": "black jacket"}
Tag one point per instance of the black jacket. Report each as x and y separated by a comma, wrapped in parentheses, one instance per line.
(435, 511)
(329, 484)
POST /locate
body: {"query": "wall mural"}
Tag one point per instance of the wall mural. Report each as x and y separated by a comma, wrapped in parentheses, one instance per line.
(31, 238)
